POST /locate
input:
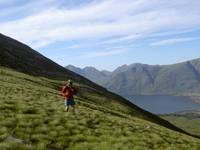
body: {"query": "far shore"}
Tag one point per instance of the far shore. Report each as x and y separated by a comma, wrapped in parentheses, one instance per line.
(186, 111)
(193, 97)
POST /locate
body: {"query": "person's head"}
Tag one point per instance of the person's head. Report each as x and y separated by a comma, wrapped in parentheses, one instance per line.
(69, 82)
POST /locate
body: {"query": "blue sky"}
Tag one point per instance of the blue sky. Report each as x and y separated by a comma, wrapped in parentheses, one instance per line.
(105, 34)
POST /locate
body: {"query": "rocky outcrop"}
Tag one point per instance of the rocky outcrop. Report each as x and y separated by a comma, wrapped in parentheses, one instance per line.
(10, 138)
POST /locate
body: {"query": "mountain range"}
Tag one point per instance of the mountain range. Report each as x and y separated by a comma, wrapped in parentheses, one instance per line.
(148, 79)
(103, 76)
(166, 79)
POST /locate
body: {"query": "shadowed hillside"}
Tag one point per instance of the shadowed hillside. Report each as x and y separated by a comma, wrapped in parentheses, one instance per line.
(21, 57)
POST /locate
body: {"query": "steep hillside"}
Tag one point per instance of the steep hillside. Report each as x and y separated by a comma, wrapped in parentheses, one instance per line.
(21, 57)
(32, 110)
(170, 79)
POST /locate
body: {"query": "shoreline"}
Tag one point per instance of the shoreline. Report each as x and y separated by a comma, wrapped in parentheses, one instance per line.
(186, 111)
(195, 99)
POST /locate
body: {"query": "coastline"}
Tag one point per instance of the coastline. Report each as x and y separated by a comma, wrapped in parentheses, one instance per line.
(194, 98)
(186, 111)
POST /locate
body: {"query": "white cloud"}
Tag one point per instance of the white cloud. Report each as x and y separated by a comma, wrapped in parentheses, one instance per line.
(172, 41)
(41, 43)
(116, 47)
(89, 44)
(94, 43)
(99, 54)
(59, 62)
(128, 20)
(122, 47)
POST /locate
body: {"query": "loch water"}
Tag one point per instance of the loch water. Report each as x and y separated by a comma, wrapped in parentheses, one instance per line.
(163, 104)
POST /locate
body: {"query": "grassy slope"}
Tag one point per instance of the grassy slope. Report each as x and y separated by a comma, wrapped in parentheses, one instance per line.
(189, 121)
(32, 111)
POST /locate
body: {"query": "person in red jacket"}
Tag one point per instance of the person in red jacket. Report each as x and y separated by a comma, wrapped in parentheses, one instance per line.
(68, 91)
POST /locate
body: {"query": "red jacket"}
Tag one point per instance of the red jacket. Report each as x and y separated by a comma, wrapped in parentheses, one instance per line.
(68, 93)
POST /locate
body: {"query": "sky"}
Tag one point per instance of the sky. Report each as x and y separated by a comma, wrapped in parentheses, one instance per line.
(105, 34)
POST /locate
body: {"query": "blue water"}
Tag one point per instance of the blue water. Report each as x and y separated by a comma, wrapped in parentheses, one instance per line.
(162, 104)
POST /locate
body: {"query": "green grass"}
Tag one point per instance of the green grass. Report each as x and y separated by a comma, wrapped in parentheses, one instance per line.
(32, 111)
(189, 121)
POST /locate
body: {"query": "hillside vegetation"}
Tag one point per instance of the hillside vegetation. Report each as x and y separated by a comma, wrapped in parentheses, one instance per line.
(188, 121)
(32, 110)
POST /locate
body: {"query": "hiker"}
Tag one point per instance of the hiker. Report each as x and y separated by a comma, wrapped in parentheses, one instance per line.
(68, 91)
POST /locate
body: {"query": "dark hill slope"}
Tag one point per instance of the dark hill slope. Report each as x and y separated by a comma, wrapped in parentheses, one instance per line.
(20, 57)
(169, 79)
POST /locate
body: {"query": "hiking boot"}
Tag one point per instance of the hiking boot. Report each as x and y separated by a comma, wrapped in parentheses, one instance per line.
(73, 112)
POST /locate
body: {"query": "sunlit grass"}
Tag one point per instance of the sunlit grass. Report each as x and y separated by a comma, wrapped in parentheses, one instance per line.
(191, 125)
(32, 111)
